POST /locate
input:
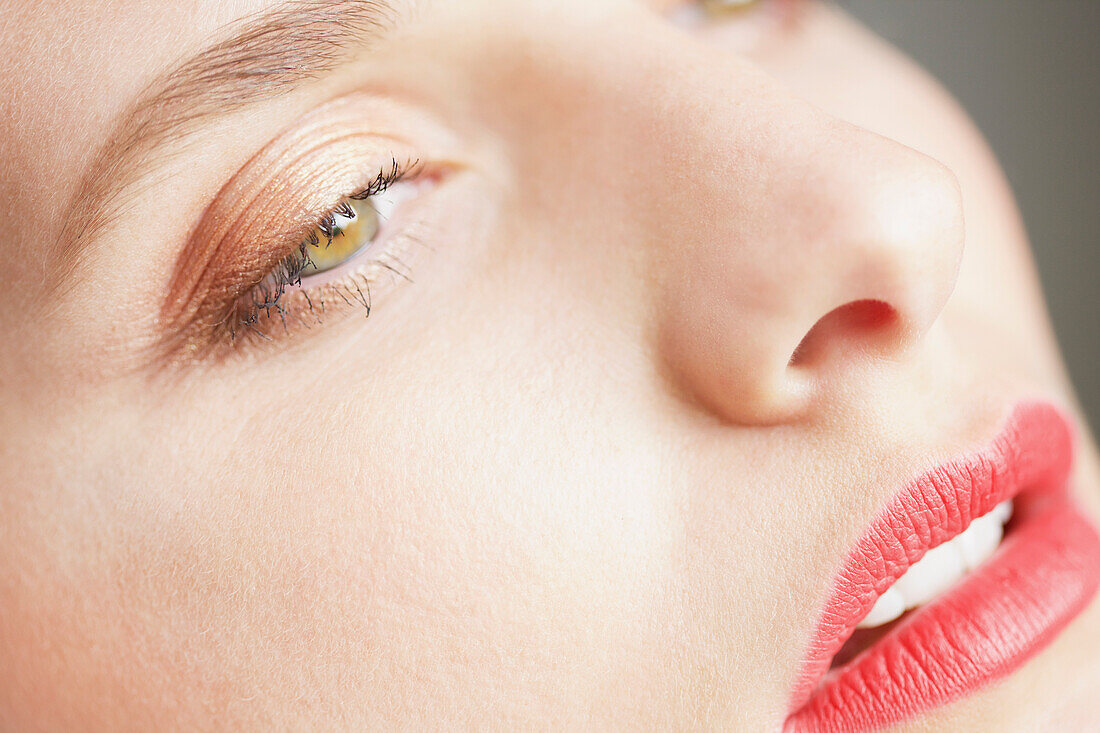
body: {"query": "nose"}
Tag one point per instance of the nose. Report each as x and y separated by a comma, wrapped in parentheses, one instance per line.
(775, 248)
(813, 247)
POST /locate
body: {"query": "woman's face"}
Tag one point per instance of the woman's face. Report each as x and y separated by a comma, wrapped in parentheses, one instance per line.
(667, 307)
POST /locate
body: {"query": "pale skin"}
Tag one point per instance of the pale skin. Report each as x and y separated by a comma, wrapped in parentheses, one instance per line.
(565, 476)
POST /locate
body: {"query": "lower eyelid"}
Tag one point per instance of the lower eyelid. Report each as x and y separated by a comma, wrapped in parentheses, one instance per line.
(356, 284)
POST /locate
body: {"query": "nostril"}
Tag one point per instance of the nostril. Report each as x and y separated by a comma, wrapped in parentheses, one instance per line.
(867, 322)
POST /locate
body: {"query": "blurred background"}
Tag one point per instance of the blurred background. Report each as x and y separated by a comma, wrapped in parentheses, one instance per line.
(1029, 74)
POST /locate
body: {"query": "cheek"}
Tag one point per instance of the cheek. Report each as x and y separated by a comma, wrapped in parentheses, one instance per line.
(518, 562)
(476, 543)
(534, 565)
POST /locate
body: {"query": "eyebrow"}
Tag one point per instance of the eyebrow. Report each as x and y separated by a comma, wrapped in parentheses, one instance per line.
(262, 56)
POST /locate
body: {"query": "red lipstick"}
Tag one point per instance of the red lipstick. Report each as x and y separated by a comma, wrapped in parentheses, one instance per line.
(1043, 574)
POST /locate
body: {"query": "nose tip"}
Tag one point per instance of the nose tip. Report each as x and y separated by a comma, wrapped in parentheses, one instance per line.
(915, 244)
(856, 255)
(897, 244)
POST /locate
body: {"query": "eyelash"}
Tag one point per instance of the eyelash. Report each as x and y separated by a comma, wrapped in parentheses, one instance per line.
(264, 301)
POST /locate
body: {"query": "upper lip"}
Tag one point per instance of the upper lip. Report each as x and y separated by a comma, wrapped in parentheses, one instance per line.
(1032, 453)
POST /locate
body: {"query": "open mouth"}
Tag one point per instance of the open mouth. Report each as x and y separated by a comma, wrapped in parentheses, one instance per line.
(968, 572)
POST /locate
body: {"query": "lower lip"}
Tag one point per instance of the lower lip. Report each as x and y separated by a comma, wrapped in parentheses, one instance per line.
(1042, 576)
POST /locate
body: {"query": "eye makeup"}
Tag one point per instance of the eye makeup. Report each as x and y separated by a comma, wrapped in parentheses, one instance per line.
(272, 228)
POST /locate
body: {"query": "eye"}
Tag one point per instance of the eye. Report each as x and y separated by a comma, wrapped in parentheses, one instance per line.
(719, 7)
(352, 229)
(694, 13)
(337, 261)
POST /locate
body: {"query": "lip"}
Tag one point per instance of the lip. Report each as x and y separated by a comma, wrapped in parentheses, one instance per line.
(992, 621)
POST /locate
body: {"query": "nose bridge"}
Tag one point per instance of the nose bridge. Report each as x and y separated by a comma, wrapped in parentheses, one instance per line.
(800, 229)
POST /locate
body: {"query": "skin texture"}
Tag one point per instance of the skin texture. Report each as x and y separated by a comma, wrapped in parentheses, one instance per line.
(566, 477)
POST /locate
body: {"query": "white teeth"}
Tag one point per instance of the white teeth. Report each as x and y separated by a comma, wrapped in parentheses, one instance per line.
(936, 572)
(888, 607)
(1003, 511)
(941, 567)
(979, 541)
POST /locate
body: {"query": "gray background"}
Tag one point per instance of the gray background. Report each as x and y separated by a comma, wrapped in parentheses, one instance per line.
(1028, 71)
